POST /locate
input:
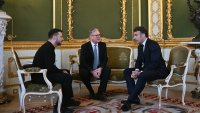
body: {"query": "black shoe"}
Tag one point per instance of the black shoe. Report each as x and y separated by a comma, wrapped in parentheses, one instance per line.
(123, 101)
(101, 97)
(63, 110)
(136, 101)
(92, 96)
(72, 102)
(126, 106)
(67, 110)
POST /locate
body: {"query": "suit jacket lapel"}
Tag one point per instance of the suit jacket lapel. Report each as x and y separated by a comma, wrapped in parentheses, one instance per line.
(146, 47)
(100, 51)
(91, 50)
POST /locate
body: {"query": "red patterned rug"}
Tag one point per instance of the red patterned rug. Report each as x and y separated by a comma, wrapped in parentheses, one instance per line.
(149, 104)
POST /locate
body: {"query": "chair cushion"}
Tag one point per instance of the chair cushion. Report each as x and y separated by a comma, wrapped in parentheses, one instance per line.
(30, 87)
(117, 75)
(174, 80)
(118, 58)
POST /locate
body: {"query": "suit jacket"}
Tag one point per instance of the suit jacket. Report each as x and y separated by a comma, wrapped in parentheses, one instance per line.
(45, 59)
(151, 58)
(87, 56)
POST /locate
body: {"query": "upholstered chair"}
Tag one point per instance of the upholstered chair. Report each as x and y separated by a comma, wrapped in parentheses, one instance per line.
(29, 89)
(178, 66)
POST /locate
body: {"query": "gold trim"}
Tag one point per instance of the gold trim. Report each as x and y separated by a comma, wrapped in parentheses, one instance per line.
(169, 19)
(54, 13)
(132, 16)
(159, 23)
(170, 24)
(139, 12)
(34, 45)
(70, 26)
(61, 15)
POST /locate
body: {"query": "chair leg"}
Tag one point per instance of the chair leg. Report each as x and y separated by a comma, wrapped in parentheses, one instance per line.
(166, 93)
(23, 103)
(52, 98)
(20, 102)
(79, 89)
(183, 94)
(159, 95)
(59, 100)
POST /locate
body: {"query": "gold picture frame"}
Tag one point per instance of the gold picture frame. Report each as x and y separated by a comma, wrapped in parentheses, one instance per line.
(71, 38)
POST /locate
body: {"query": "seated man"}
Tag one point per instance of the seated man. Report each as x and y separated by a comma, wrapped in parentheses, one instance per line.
(149, 66)
(45, 59)
(93, 60)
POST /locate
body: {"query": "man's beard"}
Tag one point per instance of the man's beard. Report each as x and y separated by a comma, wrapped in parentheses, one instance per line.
(58, 42)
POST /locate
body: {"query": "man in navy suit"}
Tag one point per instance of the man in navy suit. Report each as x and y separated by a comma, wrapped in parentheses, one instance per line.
(93, 60)
(149, 66)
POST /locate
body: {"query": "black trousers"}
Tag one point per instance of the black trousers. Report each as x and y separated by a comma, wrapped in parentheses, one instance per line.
(86, 78)
(66, 82)
(135, 88)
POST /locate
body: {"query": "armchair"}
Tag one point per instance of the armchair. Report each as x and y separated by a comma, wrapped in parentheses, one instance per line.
(28, 88)
(178, 64)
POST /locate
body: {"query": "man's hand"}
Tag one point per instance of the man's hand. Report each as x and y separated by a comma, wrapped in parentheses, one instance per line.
(99, 70)
(135, 74)
(64, 71)
(95, 73)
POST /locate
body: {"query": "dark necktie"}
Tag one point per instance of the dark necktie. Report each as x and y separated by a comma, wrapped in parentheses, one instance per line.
(96, 58)
(142, 51)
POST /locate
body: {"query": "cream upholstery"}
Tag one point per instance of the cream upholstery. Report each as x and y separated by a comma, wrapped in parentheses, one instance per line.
(28, 88)
(178, 64)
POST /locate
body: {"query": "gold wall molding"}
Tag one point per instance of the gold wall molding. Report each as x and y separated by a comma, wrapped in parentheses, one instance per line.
(170, 36)
(155, 19)
(34, 45)
(71, 38)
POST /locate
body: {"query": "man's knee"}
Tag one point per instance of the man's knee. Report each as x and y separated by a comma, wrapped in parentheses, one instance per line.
(127, 71)
(106, 70)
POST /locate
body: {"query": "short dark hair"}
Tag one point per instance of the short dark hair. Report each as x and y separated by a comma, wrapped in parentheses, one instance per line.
(142, 30)
(53, 32)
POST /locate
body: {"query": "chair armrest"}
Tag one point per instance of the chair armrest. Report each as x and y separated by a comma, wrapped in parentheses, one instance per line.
(180, 65)
(73, 60)
(43, 71)
(133, 61)
(167, 79)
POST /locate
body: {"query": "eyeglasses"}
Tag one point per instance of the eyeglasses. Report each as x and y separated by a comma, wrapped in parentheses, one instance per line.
(98, 35)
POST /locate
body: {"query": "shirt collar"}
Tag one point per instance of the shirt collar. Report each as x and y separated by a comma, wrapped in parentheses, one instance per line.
(143, 43)
(93, 44)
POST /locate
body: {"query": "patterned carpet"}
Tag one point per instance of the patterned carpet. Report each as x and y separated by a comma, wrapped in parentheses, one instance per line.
(149, 104)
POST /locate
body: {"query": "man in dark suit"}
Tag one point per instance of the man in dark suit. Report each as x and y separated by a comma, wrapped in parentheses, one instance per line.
(45, 59)
(93, 60)
(149, 66)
